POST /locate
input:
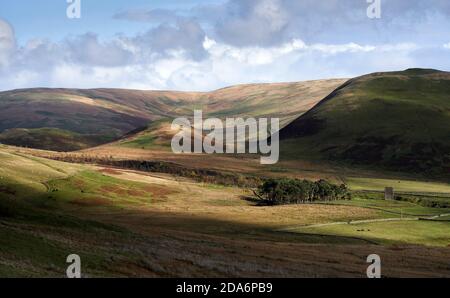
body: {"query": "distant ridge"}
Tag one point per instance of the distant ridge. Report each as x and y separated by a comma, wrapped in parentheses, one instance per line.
(73, 119)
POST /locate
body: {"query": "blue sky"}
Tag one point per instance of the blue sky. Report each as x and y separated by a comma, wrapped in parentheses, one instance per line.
(203, 45)
(48, 17)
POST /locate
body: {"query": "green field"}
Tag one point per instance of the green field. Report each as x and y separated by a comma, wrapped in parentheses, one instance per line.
(428, 233)
(394, 207)
(399, 185)
(406, 226)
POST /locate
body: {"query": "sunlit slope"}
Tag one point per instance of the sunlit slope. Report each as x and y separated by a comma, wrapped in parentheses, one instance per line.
(23, 176)
(65, 110)
(399, 120)
(72, 119)
(157, 135)
(286, 101)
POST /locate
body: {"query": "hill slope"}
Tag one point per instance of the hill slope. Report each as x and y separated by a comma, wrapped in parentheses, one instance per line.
(50, 139)
(97, 116)
(399, 120)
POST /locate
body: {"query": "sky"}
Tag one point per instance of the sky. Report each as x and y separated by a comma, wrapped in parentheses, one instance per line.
(202, 45)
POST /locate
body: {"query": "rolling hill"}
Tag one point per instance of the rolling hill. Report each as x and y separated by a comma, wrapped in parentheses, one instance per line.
(398, 120)
(126, 221)
(76, 119)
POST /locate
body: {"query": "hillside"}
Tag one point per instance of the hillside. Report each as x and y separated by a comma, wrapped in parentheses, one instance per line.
(50, 139)
(75, 112)
(397, 120)
(97, 116)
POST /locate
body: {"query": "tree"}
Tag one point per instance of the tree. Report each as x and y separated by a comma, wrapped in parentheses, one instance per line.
(294, 191)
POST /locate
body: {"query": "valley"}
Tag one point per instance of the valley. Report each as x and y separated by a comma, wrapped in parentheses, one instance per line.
(95, 175)
(121, 220)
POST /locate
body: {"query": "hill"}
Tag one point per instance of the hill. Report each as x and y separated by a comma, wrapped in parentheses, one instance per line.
(398, 120)
(80, 114)
(97, 116)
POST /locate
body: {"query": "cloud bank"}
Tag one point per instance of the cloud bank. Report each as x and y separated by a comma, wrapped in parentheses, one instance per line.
(239, 41)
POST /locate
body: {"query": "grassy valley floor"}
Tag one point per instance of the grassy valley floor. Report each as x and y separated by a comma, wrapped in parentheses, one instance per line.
(130, 223)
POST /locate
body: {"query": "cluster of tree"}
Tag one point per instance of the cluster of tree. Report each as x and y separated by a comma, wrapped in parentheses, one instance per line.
(294, 191)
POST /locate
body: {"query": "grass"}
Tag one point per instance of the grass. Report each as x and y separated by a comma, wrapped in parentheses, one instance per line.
(157, 135)
(422, 232)
(93, 189)
(384, 120)
(38, 253)
(52, 139)
(444, 218)
(128, 223)
(398, 185)
(428, 233)
(22, 170)
(392, 208)
(36, 231)
(426, 194)
(50, 209)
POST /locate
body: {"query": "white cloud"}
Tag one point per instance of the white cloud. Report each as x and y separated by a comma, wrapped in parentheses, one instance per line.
(261, 23)
(185, 59)
(185, 35)
(251, 55)
(447, 46)
(223, 65)
(296, 60)
(88, 50)
(273, 22)
(7, 43)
